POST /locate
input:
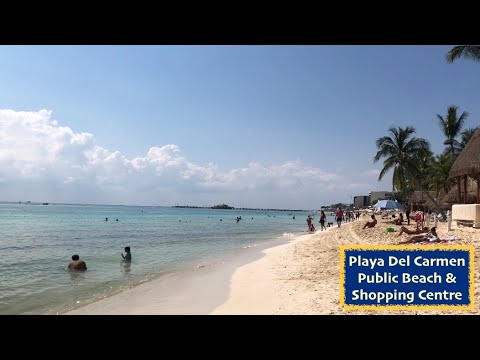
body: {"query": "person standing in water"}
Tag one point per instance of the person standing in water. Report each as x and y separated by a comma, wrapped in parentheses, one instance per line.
(77, 264)
(128, 255)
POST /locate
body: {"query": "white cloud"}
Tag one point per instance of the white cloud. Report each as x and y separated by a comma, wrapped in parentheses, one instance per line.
(373, 173)
(44, 161)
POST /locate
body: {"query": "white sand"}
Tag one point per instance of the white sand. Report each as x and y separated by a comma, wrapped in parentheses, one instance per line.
(268, 285)
(255, 287)
(303, 276)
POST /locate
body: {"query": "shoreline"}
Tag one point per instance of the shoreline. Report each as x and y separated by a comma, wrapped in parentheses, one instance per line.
(296, 277)
(261, 287)
(195, 291)
(303, 277)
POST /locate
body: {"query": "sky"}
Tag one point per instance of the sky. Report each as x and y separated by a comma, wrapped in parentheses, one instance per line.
(291, 127)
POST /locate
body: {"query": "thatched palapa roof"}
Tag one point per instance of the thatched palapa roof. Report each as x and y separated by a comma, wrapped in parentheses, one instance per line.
(440, 201)
(452, 196)
(419, 197)
(468, 162)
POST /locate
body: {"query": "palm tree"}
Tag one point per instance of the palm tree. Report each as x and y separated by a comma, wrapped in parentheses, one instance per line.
(465, 51)
(411, 184)
(451, 126)
(403, 153)
(466, 135)
(400, 154)
(439, 173)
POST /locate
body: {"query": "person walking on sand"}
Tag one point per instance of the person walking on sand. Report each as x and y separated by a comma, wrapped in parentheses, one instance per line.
(339, 216)
(322, 221)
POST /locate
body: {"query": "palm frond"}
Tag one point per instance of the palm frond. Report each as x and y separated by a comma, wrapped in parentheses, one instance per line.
(471, 52)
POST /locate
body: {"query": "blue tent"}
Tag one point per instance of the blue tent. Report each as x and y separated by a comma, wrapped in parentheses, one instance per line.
(388, 204)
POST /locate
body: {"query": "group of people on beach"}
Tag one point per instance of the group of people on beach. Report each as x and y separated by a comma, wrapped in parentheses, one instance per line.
(421, 233)
(79, 264)
(346, 216)
(340, 216)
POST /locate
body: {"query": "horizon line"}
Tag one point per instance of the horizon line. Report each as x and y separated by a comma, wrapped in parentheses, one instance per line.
(166, 206)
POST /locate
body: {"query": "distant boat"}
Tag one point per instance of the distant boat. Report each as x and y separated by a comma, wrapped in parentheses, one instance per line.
(45, 204)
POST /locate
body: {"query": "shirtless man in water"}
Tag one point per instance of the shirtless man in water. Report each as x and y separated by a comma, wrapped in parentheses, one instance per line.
(77, 264)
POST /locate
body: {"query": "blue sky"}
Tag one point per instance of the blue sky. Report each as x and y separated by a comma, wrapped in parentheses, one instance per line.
(256, 126)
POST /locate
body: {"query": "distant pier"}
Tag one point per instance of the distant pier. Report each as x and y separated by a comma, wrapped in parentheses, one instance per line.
(230, 207)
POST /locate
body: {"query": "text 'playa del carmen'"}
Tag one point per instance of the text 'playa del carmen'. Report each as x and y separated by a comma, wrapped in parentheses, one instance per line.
(404, 261)
(424, 278)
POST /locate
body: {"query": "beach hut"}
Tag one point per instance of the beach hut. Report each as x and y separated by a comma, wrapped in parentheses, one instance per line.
(440, 199)
(467, 166)
(418, 199)
(452, 196)
(466, 171)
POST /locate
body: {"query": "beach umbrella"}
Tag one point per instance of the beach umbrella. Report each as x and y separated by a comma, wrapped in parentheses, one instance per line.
(388, 204)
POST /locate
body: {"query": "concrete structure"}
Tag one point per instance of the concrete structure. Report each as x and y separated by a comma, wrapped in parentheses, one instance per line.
(466, 214)
(380, 195)
(361, 201)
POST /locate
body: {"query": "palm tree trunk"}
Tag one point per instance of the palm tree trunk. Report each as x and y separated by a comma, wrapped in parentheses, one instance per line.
(434, 202)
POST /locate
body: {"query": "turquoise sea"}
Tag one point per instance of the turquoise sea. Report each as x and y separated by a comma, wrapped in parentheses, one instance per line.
(37, 242)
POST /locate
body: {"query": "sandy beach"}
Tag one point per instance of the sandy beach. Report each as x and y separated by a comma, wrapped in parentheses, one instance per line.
(299, 277)
(303, 276)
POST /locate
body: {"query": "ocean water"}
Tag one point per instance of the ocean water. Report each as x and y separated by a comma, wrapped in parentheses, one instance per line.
(37, 242)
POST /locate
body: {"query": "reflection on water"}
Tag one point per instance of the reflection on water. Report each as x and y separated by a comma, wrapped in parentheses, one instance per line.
(76, 274)
(126, 266)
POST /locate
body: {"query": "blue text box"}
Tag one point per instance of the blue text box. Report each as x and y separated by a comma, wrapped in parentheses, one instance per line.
(405, 277)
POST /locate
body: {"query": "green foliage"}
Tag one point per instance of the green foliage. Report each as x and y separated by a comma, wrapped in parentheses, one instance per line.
(466, 135)
(409, 158)
(438, 173)
(464, 51)
(401, 151)
(451, 127)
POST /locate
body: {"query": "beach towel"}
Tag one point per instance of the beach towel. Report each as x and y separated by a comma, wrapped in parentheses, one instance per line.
(449, 238)
(444, 239)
